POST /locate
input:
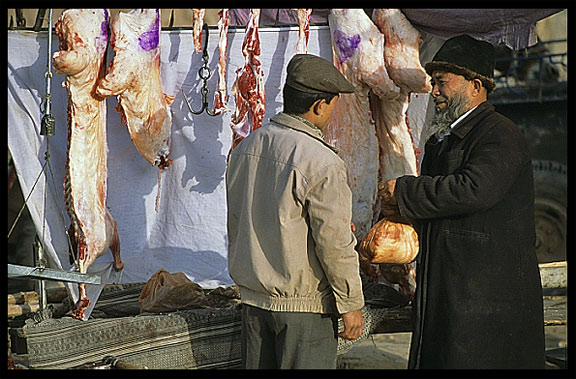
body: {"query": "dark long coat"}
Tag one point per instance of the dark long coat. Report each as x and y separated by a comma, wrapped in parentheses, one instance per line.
(478, 300)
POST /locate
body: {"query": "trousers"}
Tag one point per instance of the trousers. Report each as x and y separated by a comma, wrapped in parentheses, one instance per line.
(288, 340)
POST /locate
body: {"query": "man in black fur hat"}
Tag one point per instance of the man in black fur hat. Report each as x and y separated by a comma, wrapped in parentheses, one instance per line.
(478, 300)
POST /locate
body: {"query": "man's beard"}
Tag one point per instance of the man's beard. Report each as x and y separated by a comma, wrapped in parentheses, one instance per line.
(456, 106)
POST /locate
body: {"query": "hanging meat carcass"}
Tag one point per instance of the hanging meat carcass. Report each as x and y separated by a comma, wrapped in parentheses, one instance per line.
(401, 50)
(220, 96)
(134, 77)
(303, 30)
(369, 127)
(358, 55)
(83, 37)
(393, 245)
(248, 88)
(401, 56)
(397, 153)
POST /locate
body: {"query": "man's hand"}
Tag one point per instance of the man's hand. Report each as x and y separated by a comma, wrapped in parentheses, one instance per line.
(386, 192)
(353, 322)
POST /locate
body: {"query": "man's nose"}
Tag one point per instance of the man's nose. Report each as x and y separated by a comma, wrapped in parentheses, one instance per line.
(435, 91)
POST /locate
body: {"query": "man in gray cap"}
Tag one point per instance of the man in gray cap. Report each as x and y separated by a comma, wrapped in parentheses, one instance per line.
(291, 247)
(478, 301)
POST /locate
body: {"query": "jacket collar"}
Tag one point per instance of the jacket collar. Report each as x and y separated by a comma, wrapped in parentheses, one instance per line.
(469, 122)
(296, 123)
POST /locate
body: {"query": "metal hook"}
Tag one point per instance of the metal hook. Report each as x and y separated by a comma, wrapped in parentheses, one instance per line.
(204, 73)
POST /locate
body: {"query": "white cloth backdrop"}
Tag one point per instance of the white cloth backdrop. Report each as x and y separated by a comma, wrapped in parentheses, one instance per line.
(188, 233)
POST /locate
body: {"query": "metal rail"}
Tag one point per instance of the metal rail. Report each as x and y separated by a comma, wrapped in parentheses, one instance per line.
(17, 271)
(536, 88)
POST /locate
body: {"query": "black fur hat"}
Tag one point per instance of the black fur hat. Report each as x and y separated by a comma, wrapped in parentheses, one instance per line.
(463, 55)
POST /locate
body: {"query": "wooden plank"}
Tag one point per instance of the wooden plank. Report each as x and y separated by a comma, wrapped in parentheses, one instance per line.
(21, 309)
(30, 297)
(555, 310)
(554, 275)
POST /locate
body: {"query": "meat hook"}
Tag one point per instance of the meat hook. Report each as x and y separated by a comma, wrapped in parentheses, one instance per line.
(204, 74)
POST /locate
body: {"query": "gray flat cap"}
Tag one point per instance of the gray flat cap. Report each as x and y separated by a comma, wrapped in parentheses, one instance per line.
(312, 74)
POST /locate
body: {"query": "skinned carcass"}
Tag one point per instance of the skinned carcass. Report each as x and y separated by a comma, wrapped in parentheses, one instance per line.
(134, 77)
(397, 152)
(401, 50)
(358, 55)
(83, 37)
(370, 126)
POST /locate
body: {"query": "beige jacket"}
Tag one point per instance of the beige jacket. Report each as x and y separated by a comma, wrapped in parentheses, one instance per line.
(291, 247)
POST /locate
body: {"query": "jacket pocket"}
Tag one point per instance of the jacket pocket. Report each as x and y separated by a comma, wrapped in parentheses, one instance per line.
(471, 235)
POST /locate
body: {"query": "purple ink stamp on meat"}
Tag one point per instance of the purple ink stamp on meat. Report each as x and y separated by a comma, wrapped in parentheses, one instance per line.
(101, 41)
(346, 45)
(149, 40)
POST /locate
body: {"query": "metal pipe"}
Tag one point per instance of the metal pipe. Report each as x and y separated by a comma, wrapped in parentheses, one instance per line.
(40, 265)
(49, 73)
(48, 124)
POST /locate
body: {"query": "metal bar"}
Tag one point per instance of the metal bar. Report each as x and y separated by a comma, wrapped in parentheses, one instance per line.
(16, 271)
(20, 19)
(39, 19)
(40, 265)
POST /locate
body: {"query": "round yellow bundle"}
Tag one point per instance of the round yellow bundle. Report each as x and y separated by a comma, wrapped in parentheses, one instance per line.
(389, 242)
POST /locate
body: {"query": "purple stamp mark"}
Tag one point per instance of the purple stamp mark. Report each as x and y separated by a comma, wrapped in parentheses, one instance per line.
(346, 45)
(149, 40)
(102, 40)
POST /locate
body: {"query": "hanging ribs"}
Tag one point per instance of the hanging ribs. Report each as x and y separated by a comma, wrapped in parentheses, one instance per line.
(220, 96)
(248, 88)
(303, 30)
(83, 37)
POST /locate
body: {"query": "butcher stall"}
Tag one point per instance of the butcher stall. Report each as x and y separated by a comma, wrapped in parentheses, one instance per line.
(169, 211)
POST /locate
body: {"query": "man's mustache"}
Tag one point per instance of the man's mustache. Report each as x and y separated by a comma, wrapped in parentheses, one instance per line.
(440, 99)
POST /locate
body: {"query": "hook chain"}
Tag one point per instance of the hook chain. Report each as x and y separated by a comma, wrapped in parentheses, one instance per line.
(204, 73)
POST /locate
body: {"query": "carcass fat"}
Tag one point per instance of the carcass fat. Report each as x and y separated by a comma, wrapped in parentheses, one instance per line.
(220, 96)
(303, 30)
(83, 37)
(134, 76)
(248, 88)
(358, 55)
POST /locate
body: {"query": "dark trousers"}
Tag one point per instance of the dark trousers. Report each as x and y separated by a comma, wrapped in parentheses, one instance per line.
(292, 340)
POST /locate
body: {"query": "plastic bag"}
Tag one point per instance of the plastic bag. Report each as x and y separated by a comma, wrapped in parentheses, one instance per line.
(166, 292)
